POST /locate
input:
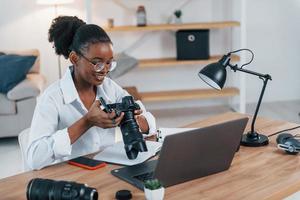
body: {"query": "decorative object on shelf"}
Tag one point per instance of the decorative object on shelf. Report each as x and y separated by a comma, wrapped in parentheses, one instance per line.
(192, 44)
(55, 3)
(214, 75)
(154, 190)
(177, 17)
(110, 22)
(141, 18)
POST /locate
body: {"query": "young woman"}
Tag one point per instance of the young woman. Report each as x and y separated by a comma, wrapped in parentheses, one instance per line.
(68, 121)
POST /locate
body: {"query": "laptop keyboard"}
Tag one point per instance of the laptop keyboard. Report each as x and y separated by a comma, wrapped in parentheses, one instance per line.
(144, 177)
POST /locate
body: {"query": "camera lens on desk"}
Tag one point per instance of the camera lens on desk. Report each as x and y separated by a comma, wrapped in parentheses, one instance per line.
(45, 189)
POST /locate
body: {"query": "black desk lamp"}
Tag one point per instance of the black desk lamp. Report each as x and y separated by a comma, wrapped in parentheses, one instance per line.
(215, 75)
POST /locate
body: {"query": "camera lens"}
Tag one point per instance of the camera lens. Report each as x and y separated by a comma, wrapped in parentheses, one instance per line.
(133, 139)
(45, 189)
(132, 154)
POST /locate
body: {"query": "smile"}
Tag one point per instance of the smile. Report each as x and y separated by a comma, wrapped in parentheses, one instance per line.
(100, 76)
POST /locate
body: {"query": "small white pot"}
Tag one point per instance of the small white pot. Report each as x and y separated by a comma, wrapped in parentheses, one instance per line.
(157, 194)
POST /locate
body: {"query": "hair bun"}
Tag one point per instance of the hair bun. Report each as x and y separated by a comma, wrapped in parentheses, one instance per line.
(62, 31)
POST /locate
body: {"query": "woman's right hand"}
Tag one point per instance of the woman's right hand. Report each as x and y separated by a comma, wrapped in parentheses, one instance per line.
(97, 117)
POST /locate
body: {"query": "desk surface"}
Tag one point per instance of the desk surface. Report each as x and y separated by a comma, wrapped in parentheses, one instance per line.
(256, 173)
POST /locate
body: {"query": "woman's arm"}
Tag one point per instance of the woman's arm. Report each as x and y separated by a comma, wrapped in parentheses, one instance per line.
(146, 120)
(48, 144)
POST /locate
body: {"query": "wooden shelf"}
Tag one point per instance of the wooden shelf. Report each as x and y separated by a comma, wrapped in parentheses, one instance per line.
(169, 62)
(174, 27)
(188, 94)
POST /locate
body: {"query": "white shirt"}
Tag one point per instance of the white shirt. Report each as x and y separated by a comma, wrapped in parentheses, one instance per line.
(56, 110)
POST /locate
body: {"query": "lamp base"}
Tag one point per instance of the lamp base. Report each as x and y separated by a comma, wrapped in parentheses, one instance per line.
(253, 139)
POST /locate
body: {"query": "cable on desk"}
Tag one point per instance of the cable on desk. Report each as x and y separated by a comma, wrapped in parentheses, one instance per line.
(284, 131)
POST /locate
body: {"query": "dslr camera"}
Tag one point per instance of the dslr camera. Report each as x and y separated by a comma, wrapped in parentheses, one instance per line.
(132, 137)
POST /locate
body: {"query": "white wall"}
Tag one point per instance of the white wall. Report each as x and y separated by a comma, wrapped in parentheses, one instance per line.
(272, 33)
(24, 25)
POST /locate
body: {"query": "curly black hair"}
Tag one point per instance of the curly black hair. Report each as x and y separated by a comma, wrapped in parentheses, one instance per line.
(71, 33)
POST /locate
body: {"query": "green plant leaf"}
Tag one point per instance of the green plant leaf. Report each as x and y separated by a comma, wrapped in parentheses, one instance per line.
(152, 184)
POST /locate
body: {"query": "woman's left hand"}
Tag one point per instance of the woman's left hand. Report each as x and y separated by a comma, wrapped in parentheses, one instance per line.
(141, 121)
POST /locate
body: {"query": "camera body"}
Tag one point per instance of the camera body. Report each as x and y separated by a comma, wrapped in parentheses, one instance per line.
(46, 189)
(132, 137)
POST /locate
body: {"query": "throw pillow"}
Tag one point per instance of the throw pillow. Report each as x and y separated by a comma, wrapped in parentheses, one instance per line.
(13, 70)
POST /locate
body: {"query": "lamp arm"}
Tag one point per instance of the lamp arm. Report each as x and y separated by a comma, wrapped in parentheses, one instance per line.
(258, 105)
(235, 68)
(265, 78)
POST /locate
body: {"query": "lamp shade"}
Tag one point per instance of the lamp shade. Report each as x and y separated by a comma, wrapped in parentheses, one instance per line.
(214, 75)
(54, 2)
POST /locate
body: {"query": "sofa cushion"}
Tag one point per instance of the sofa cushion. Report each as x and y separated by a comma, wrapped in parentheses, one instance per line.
(28, 52)
(7, 107)
(30, 87)
(13, 69)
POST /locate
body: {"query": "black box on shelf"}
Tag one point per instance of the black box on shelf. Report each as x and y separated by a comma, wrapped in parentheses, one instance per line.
(192, 44)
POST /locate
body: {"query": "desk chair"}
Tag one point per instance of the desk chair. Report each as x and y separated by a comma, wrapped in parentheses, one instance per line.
(23, 142)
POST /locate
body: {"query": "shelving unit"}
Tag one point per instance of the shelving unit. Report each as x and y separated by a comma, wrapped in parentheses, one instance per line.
(181, 94)
(174, 27)
(168, 62)
(188, 94)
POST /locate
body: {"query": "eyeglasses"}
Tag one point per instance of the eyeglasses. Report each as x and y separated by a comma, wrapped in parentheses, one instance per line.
(99, 66)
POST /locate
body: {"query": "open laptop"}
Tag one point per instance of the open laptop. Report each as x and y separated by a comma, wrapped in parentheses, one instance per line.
(189, 155)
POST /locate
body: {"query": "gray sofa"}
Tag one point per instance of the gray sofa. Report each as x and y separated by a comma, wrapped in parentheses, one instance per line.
(17, 106)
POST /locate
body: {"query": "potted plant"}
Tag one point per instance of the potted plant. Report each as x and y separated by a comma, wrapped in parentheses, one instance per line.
(178, 14)
(154, 190)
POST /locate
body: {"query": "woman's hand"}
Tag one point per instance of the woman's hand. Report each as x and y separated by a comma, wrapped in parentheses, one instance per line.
(97, 117)
(141, 121)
